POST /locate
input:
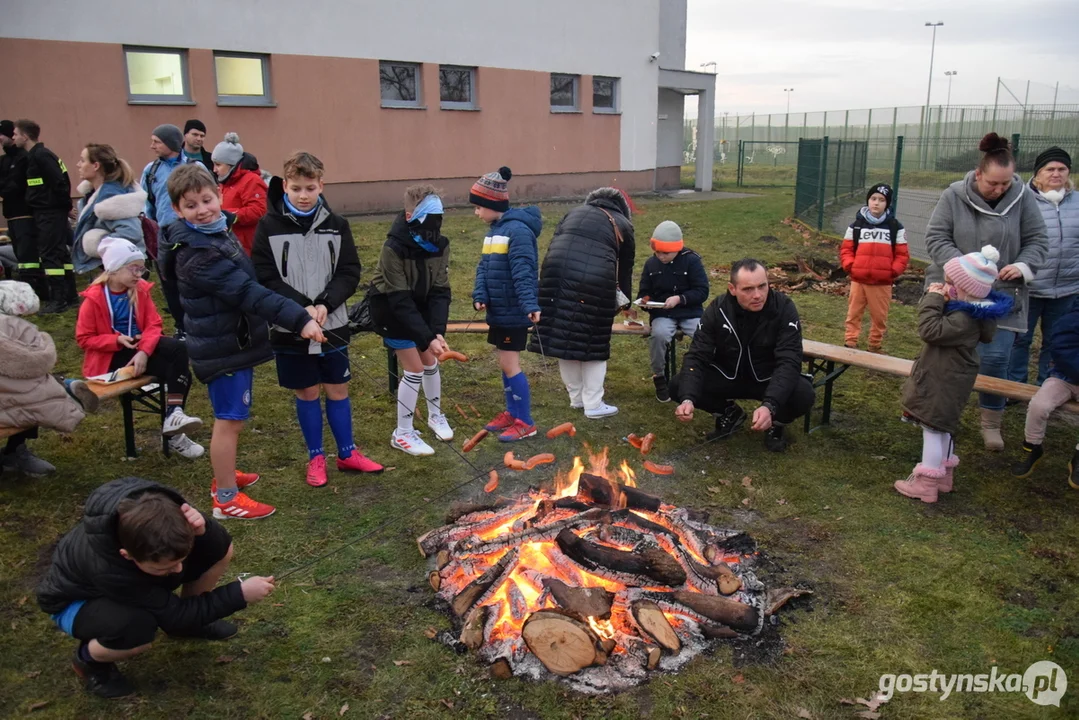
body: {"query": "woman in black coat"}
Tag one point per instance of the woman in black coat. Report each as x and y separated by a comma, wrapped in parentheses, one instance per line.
(589, 262)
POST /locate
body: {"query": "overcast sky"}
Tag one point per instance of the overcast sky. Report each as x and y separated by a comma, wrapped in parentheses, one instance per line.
(848, 54)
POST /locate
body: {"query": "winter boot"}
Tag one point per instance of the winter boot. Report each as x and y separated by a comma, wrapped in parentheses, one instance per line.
(71, 290)
(663, 393)
(945, 483)
(921, 484)
(1030, 455)
(57, 293)
(991, 429)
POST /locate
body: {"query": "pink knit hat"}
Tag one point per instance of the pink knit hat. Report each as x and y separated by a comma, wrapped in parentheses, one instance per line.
(975, 272)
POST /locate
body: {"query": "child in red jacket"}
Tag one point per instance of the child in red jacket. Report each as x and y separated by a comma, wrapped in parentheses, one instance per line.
(243, 192)
(119, 326)
(874, 253)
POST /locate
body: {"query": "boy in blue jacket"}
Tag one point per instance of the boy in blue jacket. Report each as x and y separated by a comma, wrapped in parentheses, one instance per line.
(226, 312)
(507, 287)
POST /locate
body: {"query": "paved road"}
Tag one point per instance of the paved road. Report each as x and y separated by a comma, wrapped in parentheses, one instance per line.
(915, 207)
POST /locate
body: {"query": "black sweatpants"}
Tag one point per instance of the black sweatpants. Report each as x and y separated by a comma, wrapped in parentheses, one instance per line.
(719, 391)
(166, 272)
(168, 364)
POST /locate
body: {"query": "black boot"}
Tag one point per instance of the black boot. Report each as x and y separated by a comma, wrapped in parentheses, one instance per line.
(663, 393)
(71, 290)
(1031, 454)
(36, 281)
(102, 679)
(57, 302)
(728, 421)
(1073, 470)
(776, 439)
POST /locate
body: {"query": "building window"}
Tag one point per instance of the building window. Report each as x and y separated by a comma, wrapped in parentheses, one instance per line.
(457, 87)
(242, 79)
(157, 75)
(604, 94)
(399, 83)
(564, 94)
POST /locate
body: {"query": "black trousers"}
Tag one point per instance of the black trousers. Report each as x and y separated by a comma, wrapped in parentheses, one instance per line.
(719, 391)
(18, 439)
(24, 242)
(168, 363)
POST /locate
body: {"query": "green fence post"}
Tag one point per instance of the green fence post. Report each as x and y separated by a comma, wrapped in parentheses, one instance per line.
(820, 182)
(741, 152)
(1015, 146)
(895, 171)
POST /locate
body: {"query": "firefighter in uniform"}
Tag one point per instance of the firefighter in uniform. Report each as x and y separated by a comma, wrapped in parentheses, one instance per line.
(20, 223)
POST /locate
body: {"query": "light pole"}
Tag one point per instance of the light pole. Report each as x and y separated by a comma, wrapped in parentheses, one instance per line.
(788, 91)
(932, 51)
(950, 74)
(712, 63)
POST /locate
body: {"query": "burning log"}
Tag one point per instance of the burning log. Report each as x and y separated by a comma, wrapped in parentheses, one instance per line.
(654, 654)
(600, 490)
(721, 573)
(472, 630)
(479, 587)
(433, 541)
(479, 546)
(731, 613)
(654, 623)
(571, 503)
(435, 580)
(459, 509)
(652, 563)
(443, 559)
(718, 632)
(585, 601)
(563, 644)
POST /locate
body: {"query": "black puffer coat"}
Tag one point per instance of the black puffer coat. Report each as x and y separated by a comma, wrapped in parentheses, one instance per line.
(583, 267)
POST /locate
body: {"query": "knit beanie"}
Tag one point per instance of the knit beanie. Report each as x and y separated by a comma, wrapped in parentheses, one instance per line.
(7, 128)
(885, 190)
(170, 135)
(974, 272)
(229, 151)
(490, 191)
(117, 252)
(667, 237)
(1053, 154)
(194, 125)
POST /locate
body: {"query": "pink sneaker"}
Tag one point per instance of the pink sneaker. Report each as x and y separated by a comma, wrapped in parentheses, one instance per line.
(921, 485)
(945, 483)
(501, 421)
(316, 471)
(519, 430)
(357, 462)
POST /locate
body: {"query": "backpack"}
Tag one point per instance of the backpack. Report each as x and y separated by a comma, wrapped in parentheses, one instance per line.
(893, 231)
(151, 176)
(359, 315)
(150, 231)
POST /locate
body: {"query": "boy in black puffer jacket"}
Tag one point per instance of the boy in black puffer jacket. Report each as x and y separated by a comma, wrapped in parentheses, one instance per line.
(675, 277)
(113, 578)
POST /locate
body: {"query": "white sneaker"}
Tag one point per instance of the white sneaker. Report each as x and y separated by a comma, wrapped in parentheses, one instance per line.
(178, 422)
(409, 441)
(441, 426)
(185, 447)
(601, 411)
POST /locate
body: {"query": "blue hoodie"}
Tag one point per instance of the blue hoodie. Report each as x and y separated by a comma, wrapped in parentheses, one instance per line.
(507, 278)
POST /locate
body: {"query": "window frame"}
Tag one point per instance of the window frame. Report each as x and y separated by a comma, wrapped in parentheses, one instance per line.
(416, 104)
(472, 103)
(615, 108)
(264, 100)
(576, 106)
(150, 99)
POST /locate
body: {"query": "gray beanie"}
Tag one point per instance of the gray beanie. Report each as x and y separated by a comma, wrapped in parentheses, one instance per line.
(667, 237)
(229, 151)
(170, 135)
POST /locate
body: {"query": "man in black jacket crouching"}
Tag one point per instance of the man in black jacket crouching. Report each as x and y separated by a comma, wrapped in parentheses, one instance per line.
(749, 346)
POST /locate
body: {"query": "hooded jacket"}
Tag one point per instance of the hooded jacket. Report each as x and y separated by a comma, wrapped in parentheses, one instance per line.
(1059, 276)
(869, 253)
(683, 276)
(508, 273)
(110, 210)
(963, 222)
(410, 291)
(87, 565)
(29, 395)
(584, 266)
(97, 338)
(13, 182)
(311, 264)
(243, 193)
(226, 310)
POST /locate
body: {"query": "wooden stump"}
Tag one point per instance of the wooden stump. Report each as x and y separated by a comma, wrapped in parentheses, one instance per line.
(585, 601)
(562, 643)
(654, 623)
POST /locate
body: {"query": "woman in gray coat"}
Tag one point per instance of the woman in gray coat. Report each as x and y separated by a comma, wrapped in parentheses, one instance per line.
(991, 206)
(1056, 284)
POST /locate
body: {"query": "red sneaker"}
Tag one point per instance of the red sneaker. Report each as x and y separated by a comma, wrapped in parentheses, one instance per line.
(501, 421)
(357, 462)
(316, 471)
(242, 480)
(243, 508)
(519, 430)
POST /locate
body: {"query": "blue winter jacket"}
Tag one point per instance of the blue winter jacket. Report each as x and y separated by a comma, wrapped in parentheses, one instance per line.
(507, 278)
(158, 204)
(226, 310)
(1065, 344)
(1059, 276)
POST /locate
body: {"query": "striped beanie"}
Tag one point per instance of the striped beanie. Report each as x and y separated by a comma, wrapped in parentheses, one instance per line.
(667, 237)
(490, 191)
(974, 273)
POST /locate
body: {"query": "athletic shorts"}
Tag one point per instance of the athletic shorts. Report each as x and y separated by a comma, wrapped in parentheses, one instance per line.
(230, 395)
(393, 344)
(508, 338)
(296, 371)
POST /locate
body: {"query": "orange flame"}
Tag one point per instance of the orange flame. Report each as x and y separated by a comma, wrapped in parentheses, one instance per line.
(603, 628)
(626, 474)
(566, 485)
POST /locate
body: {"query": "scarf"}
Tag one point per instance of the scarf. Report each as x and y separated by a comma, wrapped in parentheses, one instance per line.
(211, 228)
(293, 210)
(869, 217)
(430, 226)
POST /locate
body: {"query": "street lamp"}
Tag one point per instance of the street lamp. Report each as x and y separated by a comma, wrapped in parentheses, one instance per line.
(932, 51)
(712, 63)
(788, 91)
(950, 74)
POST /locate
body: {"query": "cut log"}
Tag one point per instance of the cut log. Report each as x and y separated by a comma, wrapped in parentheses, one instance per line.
(653, 563)
(476, 589)
(655, 625)
(585, 601)
(721, 573)
(562, 643)
(501, 670)
(632, 518)
(654, 654)
(778, 597)
(715, 631)
(443, 559)
(479, 546)
(459, 509)
(731, 613)
(472, 630)
(600, 489)
(435, 579)
(434, 540)
(572, 503)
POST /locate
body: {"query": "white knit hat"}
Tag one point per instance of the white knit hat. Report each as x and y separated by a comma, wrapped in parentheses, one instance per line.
(118, 252)
(229, 151)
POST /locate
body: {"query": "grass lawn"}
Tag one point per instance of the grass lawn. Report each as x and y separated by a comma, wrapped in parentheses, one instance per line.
(985, 577)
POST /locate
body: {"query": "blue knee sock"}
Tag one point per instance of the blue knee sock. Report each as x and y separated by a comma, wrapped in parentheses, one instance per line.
(339, 415)
(309, 414)
(507, 388)
(521, 395)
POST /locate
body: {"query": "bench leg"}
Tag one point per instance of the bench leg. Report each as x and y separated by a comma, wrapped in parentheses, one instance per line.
(129, 425)
(162, 399)
(391, 366)
(826, 409)
(671, 365)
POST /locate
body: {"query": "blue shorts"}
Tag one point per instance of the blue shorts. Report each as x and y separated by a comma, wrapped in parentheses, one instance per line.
(230, 395)
(65, 619)
(398, 344)
(296, 371)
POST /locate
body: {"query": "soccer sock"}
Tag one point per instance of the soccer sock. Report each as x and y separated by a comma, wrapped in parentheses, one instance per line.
(521, 395)
(432, 389)
(309, 413)
(511, 404)
(173, 402)
(339, 416)
(408, 394)
(84, 653)
(225, 495)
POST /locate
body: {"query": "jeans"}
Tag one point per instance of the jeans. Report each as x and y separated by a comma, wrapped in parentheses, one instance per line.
(995, 356)
(1049, 310)
(662, 332)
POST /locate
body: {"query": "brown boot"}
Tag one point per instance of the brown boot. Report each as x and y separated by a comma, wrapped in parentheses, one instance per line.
(991, 420)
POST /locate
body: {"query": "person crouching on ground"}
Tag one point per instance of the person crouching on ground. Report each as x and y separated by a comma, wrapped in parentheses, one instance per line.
(226, 313)
(304, 251)
(674, 276)
(507, 287)
(112, 581)
(953, 317)
(874, 253)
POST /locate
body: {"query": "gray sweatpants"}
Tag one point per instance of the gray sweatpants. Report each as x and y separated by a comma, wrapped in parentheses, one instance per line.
(663, 329)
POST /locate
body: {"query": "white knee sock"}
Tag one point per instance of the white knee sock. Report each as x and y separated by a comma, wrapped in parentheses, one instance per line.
(408, 393)
(432, 389)
(934, 446)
